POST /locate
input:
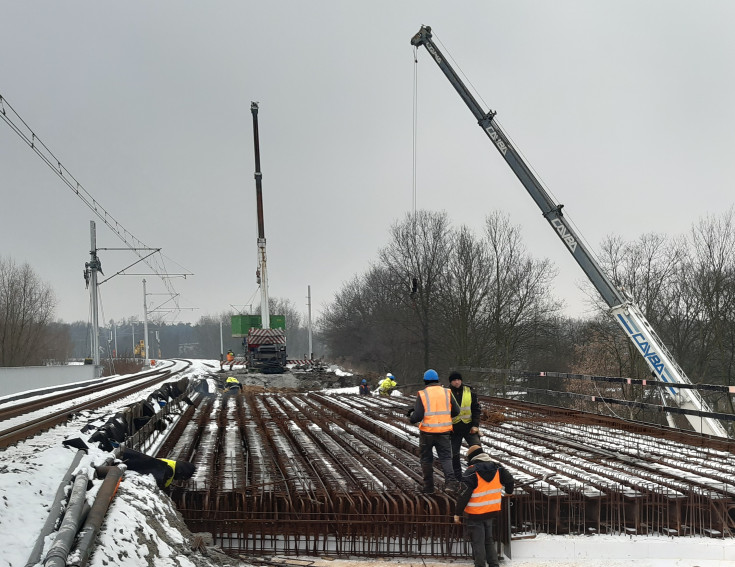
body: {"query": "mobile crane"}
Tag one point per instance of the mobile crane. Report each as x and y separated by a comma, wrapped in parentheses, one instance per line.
(621, 308)
(266, 346)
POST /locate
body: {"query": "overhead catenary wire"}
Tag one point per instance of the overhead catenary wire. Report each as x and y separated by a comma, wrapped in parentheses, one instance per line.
(16, 123)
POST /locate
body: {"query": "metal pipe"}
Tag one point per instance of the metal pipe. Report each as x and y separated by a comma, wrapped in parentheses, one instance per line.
(96, 516)
(55, 511)
(56, 557)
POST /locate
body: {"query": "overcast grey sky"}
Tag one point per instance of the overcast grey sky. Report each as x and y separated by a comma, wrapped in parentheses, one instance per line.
(626, 110)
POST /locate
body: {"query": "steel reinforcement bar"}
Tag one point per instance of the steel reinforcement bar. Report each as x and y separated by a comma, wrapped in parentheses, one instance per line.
(313, 473)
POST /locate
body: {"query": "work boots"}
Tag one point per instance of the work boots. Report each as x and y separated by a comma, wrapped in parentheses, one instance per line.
(427, 469)
(452, 487)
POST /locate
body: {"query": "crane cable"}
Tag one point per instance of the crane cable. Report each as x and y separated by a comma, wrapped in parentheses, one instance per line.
(516, 146)
(414, 279)
(415, 121)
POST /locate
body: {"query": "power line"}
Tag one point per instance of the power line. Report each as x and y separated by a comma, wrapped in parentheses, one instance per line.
(155, 262)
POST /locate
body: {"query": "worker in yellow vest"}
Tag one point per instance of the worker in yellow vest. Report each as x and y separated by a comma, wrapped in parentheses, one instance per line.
(387, 385)
(165, 471)
(480, 500)
(465, 426)
(433, 411)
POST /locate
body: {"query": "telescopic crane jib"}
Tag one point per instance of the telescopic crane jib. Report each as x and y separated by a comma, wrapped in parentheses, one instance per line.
(262, 266)
(622, 308)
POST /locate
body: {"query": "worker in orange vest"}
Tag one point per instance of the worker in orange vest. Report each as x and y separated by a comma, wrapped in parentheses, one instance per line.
(480, 499)
(433, 411)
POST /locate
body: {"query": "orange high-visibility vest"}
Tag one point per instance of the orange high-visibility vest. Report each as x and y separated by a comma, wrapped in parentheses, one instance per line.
(437, 410)
(486, 497)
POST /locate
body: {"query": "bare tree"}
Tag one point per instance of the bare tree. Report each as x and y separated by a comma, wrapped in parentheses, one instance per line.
(464, 293)
(366, 327)
(26, 310)
(649, 271)
(519, 301)
(713, 283)
(445, 298)
(416, 259)
(646, 269)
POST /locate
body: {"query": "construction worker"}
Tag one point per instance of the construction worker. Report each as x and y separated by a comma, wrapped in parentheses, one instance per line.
(387, 385)
(232, 383)
(229, 359)
(364, 388)
(480, 499)
(165, 471)
(465, 426)
(433, 411)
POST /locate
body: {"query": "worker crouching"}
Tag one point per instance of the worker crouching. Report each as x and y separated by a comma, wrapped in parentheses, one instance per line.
(387, 385)
(165, 471)
(232, 384)
(480, 500)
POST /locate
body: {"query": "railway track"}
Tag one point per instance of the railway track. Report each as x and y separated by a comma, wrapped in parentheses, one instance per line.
(25, 419)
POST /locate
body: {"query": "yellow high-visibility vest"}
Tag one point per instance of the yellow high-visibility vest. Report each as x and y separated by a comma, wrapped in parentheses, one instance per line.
(465, 408)
(171, 464)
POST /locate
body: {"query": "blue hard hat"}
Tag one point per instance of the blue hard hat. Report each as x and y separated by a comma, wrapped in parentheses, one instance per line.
(431, 376)
(364, 381)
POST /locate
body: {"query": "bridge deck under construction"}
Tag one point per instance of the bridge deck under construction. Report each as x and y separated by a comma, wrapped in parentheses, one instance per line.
(315, 473)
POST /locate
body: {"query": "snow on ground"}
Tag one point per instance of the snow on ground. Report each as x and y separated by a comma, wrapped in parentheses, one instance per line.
(142, 528)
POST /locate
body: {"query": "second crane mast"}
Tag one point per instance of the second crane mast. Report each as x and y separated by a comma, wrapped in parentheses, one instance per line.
(622, 309)
(262, 263)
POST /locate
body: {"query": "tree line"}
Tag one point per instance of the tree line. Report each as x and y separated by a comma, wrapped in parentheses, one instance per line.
(30, 336)
(444, 297)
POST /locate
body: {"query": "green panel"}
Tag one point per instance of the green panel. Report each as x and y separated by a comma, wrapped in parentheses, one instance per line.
(241, 324)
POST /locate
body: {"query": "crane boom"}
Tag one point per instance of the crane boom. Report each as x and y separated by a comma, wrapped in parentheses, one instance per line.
(623, 310)
(262, 265)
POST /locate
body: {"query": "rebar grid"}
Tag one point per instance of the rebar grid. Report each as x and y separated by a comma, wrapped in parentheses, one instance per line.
(307, 473)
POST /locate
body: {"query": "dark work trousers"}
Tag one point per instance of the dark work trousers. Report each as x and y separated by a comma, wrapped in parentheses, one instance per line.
(483, 545)
(461, 432)
(443, 444)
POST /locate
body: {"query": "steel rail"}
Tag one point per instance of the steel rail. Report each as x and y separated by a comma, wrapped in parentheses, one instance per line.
(28, 429)
(43, 401)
